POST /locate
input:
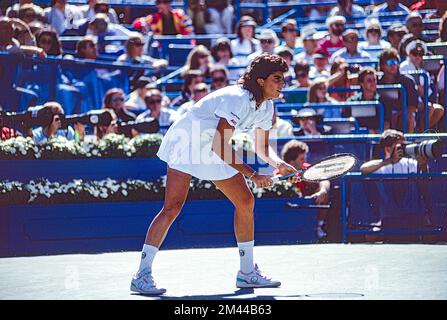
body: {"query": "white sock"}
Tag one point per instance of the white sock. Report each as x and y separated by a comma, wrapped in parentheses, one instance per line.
(320, 223)
(246, 256)
(147, 257)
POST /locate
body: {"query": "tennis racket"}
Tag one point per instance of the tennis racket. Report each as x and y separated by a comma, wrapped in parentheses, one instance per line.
(328, 168)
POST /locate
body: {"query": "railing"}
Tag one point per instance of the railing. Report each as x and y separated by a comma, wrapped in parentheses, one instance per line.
(347, 229)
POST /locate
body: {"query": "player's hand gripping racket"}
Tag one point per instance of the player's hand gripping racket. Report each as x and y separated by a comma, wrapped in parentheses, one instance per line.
(328, 168)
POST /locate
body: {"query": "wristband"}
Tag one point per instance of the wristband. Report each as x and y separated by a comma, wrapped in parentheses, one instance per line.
(252, 175)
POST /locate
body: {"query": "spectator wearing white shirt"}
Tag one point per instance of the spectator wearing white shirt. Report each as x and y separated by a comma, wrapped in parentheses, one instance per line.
(351, 50)
(245, 43)
(373, 35)
(416, 50)
(62, 16)
(98, 6)
(321, 65)
(391, 6)
(347, 8)
(156, 110)
(309, 44)
(200, 91)
(269, 41)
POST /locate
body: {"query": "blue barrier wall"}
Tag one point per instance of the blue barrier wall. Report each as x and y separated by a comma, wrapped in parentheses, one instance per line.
(101, 227)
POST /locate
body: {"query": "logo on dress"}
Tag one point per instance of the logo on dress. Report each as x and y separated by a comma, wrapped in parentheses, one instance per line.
(233, 122)
(241, 253)
(143, 255)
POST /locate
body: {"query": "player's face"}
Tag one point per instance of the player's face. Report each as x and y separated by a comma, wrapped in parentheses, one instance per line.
(272, 85)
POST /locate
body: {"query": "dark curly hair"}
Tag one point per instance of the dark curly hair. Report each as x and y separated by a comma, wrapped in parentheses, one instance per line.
(261, 67)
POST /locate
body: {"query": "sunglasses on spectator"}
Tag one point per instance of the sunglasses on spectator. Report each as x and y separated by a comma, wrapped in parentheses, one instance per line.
(138, 44)
(202, 56)
(338, 24)
(290, 30)
(302, 75)
(219, 79)
(322, 88)
(392, 62)
(118, 99)
(373, 31)
(153, 101)
(267, 41)
(351, 39)
(417, 53)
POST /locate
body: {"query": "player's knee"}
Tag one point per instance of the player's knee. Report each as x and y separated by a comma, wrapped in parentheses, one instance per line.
(246, 203)
(172, 209)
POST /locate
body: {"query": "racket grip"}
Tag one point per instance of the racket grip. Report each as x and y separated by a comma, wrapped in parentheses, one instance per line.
(280, 177)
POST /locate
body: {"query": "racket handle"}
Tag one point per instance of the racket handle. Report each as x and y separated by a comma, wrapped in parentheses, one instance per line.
(280, 177)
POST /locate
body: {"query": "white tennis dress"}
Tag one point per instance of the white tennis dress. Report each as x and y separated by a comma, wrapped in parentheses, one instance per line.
(187, 144)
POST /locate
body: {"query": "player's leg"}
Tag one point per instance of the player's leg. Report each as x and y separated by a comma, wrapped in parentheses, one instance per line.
(177, 187)
(238, 192)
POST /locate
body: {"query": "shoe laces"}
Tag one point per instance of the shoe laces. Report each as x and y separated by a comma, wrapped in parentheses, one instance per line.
(259, 273)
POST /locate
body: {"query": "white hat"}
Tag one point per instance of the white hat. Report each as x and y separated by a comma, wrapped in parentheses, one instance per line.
(416, 44)
(335, 19)
(267, 34)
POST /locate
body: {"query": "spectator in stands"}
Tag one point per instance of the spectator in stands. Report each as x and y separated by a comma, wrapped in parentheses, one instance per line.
(289, 33)
(294, 153)
(22, 33)
(287, 54)
(199, 58)
(53, 128)
(219, 77)
(98, 6)
(395, 34)
(415, 53)
(334, 41)
(369, 116)
(166, 21)
(391, 6)
(218, 17)
(102, 131)
(269, 41)
(347, 8)
(245, 43)
(62, 16)
(403, 44)
(165, 116)
(199, 91)
(389, 62)
(394, 161)
(301, 70)
(27, 13)
(321, 65)
(190, 79)
(310, 123)
(415, 25)
(309, 44)
(86, 48)
(134, 53)
(48, 40)
(443, 29)
(9, 44)
(101, 26)
(136, 100)
(221, 52)
(373, 36)
(318, 94)
(351, 50)
(114, 99)
(341, 77)
(196, 10)
(13, 11)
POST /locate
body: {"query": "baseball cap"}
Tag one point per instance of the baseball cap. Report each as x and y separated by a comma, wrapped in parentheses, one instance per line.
(335, 19)
(320, 54)
(416, 44)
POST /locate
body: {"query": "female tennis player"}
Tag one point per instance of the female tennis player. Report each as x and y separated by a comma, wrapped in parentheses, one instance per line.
(197, 144)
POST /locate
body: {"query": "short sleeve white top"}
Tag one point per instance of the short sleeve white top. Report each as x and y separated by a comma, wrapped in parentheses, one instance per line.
(187, 144)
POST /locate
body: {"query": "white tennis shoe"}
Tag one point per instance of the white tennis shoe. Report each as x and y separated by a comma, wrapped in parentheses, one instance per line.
(255, 279)
(144, 283)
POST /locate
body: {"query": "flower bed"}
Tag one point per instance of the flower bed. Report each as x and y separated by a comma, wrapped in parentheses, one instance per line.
(43, 191)
(111, 146)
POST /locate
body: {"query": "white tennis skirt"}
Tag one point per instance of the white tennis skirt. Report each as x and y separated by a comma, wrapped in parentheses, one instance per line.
(186, 147)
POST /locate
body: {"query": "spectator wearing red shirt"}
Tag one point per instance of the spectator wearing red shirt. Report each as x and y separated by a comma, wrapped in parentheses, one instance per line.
(166, 21)
(294, 153)
(334, 41)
